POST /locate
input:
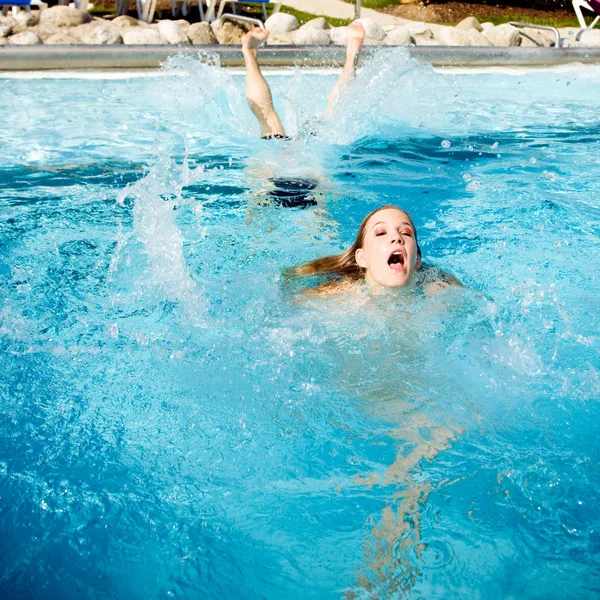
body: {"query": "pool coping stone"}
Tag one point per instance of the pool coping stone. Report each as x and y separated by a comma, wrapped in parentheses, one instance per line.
(34, 58)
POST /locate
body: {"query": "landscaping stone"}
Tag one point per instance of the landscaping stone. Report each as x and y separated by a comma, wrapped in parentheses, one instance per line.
(373, 30)
(281, 39)
(312, 35)
(338, 35)
(143, 36)
(398, 36)
(97, 35)
(124, 21)
(421, 29)
(62, 38)
(5, 31)
(451, 36)
(469, 23)
(229, 33)
(477, 38)
(423, 41)
(281, 23)
(185, 25)
(503, 35)
(27, 19)
(202, 33)
(318, 23)
(540, 38)
(173, 33)
(46, 30)
(486, 26)
(4, 41)
(64, 16)
(25, 38)
(588, 38)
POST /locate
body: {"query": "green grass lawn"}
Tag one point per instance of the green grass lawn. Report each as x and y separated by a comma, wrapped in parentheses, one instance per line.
(304, 17)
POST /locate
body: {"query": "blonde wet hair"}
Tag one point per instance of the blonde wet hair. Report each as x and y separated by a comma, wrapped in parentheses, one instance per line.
(344, 264)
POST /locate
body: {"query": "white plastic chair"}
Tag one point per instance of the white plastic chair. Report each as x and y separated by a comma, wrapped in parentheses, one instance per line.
(18, 4)
(145, 10)
(210, 14)
(591, 5)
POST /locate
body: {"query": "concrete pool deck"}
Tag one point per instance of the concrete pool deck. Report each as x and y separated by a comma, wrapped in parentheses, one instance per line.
(34, 58)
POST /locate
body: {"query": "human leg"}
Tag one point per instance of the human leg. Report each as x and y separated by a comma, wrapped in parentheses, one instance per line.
(258, 93)
(356, 37)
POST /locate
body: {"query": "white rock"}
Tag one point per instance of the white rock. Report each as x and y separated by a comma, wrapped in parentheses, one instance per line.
(5, 31)
(97, 35)
(229, 33)
(45, 30)
(503, 35)
(124, 22)
(588, 38)
(487, 25)
(451, 36)
(425, 41)
(281, 23)
(185, 25)
(312, 36)
(25, 38)
(63, 16)
(281, 39)
(143, 36)
(477, 38)
(4, 41)
(202, 33)
(398, 36)
(338, 35)
(373, 30)
(27, 19)
(540, 37)
(318, 23)
(173, 33)
(62, 38)
(419, 28)
(469, 23)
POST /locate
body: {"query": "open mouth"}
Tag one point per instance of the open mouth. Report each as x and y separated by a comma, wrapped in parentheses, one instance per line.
(396, 260)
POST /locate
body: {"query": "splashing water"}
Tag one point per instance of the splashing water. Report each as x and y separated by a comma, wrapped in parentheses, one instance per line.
(176, 424)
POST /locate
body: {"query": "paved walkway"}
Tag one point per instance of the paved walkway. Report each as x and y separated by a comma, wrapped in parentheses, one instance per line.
(341, 10)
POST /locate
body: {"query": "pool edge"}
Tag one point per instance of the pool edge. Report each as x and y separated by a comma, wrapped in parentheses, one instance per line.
(39, 58)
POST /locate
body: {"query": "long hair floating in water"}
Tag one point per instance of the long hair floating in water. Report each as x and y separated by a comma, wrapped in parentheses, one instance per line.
(345, 264)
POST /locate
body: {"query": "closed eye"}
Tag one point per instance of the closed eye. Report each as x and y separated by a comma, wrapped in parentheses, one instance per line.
(378, 233)
(408, 232)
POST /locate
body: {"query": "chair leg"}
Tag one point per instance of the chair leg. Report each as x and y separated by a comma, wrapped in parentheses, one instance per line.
(577, 6)
(201, 10)
(122, 7)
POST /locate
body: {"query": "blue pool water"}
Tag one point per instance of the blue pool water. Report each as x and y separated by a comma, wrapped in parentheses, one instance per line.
(175, 423)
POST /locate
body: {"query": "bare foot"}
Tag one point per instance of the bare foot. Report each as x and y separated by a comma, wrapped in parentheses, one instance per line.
(356, 37)
(254, 39)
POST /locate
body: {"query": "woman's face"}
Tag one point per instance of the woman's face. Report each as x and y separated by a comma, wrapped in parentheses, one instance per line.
(389, 250)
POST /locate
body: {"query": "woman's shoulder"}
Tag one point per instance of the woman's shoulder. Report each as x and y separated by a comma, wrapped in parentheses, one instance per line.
(331, 288)
(434, 280)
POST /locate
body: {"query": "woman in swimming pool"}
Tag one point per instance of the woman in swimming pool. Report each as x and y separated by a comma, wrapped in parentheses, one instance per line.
(258, 93)
(385, 254)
